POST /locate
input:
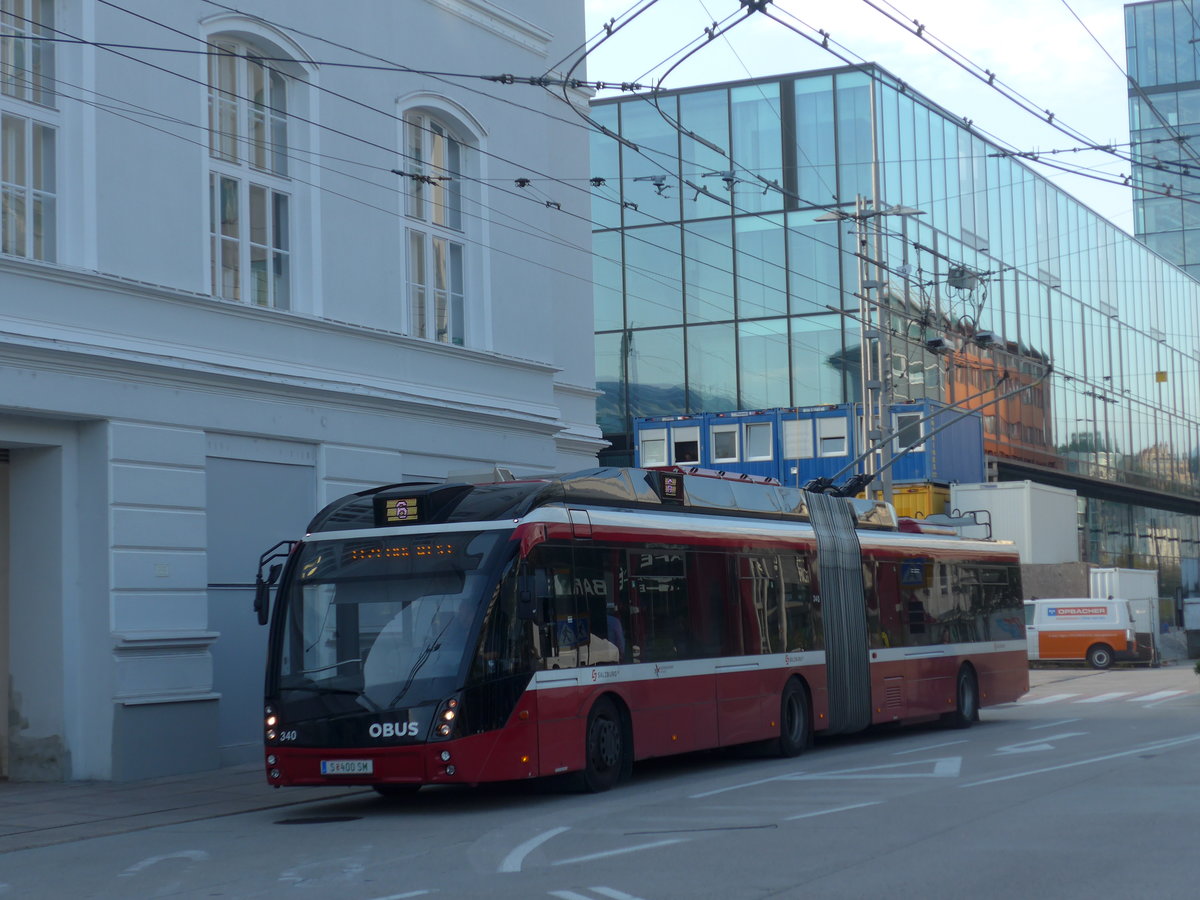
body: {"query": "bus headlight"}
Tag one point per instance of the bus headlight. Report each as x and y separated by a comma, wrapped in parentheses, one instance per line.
(445, 722)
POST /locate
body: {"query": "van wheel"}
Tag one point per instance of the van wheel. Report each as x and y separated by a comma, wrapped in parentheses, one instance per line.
(1100, 656)
(966, 692)
(795, 733)
(604, 748)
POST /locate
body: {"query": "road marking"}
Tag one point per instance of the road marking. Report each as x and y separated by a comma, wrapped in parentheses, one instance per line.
(930, 747)
(1057, 724)
(614, 893)
(568, 895)
(1150, 698)
(1038, 743)
(1160, 745)
(1053, 698)
(737, 787)
(403, 896)
(512, 862)
(607, 853)
(946, 767)
(193, 855)
(1100, 698)
(825, 812)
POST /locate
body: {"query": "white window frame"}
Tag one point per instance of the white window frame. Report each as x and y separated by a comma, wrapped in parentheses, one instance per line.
(690, 434)
(831, 429)
(714, 432)
(656, 436)
(918, 445)
(435, 240)
(251, 206)
(756, 428)
(798, 439)
(28, 132)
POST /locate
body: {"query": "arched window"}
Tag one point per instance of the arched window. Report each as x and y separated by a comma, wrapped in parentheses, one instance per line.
(437, 265)
(250, 196)
(28, 128)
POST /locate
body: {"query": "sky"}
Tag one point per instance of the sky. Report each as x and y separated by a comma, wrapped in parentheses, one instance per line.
(1055, 53)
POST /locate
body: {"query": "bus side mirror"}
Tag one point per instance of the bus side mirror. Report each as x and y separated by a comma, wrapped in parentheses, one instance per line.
(262, 592)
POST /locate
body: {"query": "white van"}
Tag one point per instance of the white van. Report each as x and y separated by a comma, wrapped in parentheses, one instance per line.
(1079, 628)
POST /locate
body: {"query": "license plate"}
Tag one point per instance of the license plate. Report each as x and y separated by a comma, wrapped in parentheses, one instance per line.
(347, 767)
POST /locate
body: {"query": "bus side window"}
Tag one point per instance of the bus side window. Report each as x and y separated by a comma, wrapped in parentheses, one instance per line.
(658, 605)
(802, 616)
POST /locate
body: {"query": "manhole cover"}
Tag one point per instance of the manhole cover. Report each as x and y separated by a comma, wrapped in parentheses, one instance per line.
(317, 820)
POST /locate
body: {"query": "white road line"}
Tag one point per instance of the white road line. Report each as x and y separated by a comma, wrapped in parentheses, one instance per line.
(1150, 698)
(614, 893)
(405, 895)
(607, 853)
(512, 862)
(193, 855)
(1100, 698)
(825, 812)
(740, 786)
(1160, 745)
(1053, 698)
(930, 747)
(569, 895)
(1052, 724)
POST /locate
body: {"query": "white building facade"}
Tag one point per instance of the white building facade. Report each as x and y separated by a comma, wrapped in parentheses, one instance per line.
(240, 278)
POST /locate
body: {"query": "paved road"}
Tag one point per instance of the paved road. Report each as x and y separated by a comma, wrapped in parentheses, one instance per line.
(1089, 785)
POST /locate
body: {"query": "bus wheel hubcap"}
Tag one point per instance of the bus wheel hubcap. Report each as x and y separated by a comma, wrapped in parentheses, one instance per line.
(607, 742)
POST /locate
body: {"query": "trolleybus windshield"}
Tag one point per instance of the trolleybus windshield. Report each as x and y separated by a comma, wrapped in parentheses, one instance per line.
(382, 622)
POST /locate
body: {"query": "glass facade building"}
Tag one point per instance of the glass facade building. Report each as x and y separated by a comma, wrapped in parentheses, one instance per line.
(745, 231)
(1164, 127)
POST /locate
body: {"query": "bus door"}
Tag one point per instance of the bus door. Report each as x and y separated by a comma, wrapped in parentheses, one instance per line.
(672, 695)
(748, 688)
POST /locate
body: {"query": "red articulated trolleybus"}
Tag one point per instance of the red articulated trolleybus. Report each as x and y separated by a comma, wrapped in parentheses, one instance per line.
(464, 633)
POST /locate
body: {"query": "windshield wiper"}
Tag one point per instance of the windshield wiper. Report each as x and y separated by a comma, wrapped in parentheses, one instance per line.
(333, 665)
(319, 689)
(420, 661)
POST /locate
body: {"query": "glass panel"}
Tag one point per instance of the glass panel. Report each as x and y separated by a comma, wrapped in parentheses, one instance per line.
(705, 114)
(819, 361)
(763, 362)
(708, 270)
(855, 136)
(610, 381)
(652, 282)
(457, 328)
(606, 277)
(761, 270)
(757, 146)
(657, 158)
(813, 264)
(417, 283)
(414, 162)
(606, 167)
(816, 156)
(656, 372)
(711, 357)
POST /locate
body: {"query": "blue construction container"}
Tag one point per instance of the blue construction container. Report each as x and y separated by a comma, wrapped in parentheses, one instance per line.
(797, 444)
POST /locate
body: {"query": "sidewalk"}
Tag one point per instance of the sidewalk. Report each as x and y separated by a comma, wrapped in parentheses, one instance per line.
(40, 814)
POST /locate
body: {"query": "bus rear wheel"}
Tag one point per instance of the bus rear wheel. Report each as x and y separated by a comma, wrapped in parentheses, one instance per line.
(794, 723)
(605, 748)
(1099, 656)
(966, 710)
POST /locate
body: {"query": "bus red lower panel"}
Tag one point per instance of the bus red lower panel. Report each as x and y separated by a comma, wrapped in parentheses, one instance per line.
(507, 754)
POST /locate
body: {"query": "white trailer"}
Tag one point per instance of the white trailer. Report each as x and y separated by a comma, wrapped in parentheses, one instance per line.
(1140, 588)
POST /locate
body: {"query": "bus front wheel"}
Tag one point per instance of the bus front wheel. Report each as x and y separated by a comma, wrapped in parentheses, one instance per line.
(604, 747)
(794, 723)
(1099, 656)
